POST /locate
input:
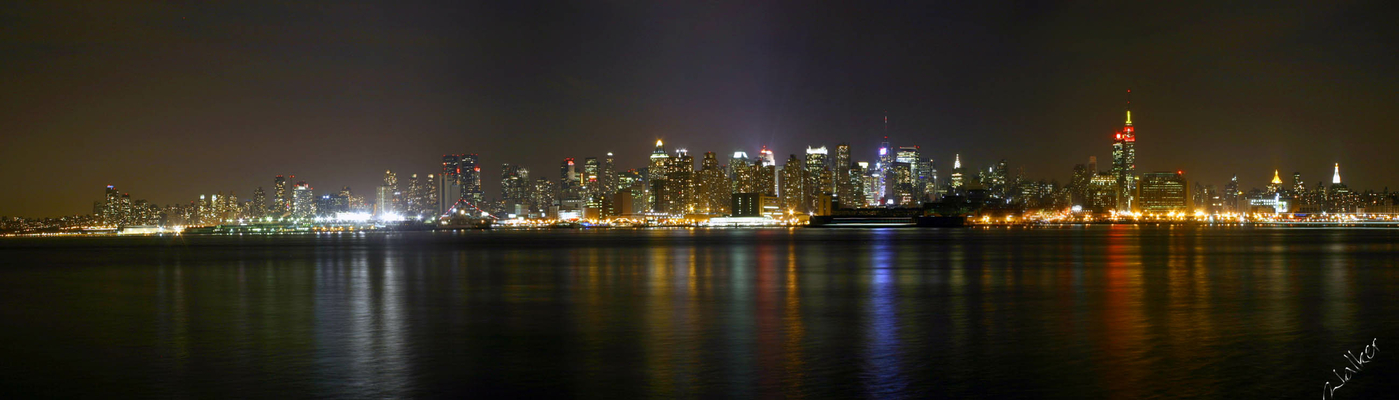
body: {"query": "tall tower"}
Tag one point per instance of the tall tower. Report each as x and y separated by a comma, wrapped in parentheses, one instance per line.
(886, 161)
(469, 176)
(608, 180)
(1336, 179)
(1124, 161)
(956, 172)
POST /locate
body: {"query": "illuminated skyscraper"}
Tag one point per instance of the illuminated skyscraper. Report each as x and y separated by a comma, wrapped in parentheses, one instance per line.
(1230, 196)
(469, 179)
(847, 183)
(283, 201)
(655, 172)
(885, 163)
(794, 194)
(1124, 161)
(767, 173)
(1275, 185)
(956, 181)
(259, 207)
(819, 178)
(680, 196)
(1164, 192)
(514, 190)
(303, 201)
(1336, 179)
(449, 187)
(608, 179)
(713, 187)
(743, 173)
(384, 199)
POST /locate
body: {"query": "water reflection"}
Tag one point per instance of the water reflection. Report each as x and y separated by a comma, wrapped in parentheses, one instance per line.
(1105, 312)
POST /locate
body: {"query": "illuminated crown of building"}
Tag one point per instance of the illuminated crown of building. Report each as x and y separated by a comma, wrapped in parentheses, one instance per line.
(660, 150)
(1336, 179)
(1276, 179)
(957, 162)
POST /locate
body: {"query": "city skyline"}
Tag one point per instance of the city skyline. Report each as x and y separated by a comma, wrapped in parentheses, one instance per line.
(174, 101)
(491, 189)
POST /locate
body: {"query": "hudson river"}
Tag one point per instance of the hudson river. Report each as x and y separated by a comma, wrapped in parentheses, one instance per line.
(1117, 312)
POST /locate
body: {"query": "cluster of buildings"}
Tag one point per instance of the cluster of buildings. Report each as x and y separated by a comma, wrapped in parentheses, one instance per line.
(675, 185)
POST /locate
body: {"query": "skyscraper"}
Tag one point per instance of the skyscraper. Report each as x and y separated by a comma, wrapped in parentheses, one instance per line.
(1124, 161)
(283, 202)
(1164, 192)
(449, 188)
(259, 207)
(819, 178)
(303, 201)
(956, 181)
(847, 185)
(767, 172)
(385, 197)
(743, 173)
(713, 192)
(793, 194)
(608, 179)
(469, 179)
(655, 172)
(886, 163)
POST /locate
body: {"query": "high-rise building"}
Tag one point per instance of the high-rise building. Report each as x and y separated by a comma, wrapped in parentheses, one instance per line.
(847, 184)
(885, 163)
(1231, 195)
(679, 195)
(592, 176)
(1164, 192)
(1275, 185)
(656, 171)
(820, 179)
(794, 194)
(303, 201)
(388, 199)
(608, 178)
(469, 179)
(1102, 193)
(956, 180)
(449, 187)
(767, 172)
(542, 198)
(514, 190)
(743, 173)
(258, 208)
(1124, 161)
(713, 192)
(570, 188)
(283, 198)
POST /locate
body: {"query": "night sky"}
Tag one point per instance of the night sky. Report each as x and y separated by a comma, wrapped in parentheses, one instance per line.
(168, 101)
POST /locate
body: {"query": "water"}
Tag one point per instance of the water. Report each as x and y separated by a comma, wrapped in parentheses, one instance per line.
(1100, 312)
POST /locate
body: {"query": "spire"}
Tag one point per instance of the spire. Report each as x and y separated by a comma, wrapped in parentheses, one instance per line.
(957, 163)
(1129, 107)
(886, 126)
(1276, 179)
(1336, 179)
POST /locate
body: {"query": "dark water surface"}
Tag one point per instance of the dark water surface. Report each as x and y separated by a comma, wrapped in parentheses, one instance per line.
(1100, 312)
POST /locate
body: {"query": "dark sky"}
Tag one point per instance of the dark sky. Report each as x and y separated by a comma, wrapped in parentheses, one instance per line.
(167, 101)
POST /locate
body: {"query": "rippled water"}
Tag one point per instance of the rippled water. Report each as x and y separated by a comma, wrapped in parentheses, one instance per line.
(1100, 312)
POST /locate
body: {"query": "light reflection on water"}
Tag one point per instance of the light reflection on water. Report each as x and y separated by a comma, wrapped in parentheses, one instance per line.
(1106, 312)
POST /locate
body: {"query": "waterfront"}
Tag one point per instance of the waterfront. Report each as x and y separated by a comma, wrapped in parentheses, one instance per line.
(1062, 312)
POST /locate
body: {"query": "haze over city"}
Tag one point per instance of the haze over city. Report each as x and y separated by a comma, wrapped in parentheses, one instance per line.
(171, 101)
